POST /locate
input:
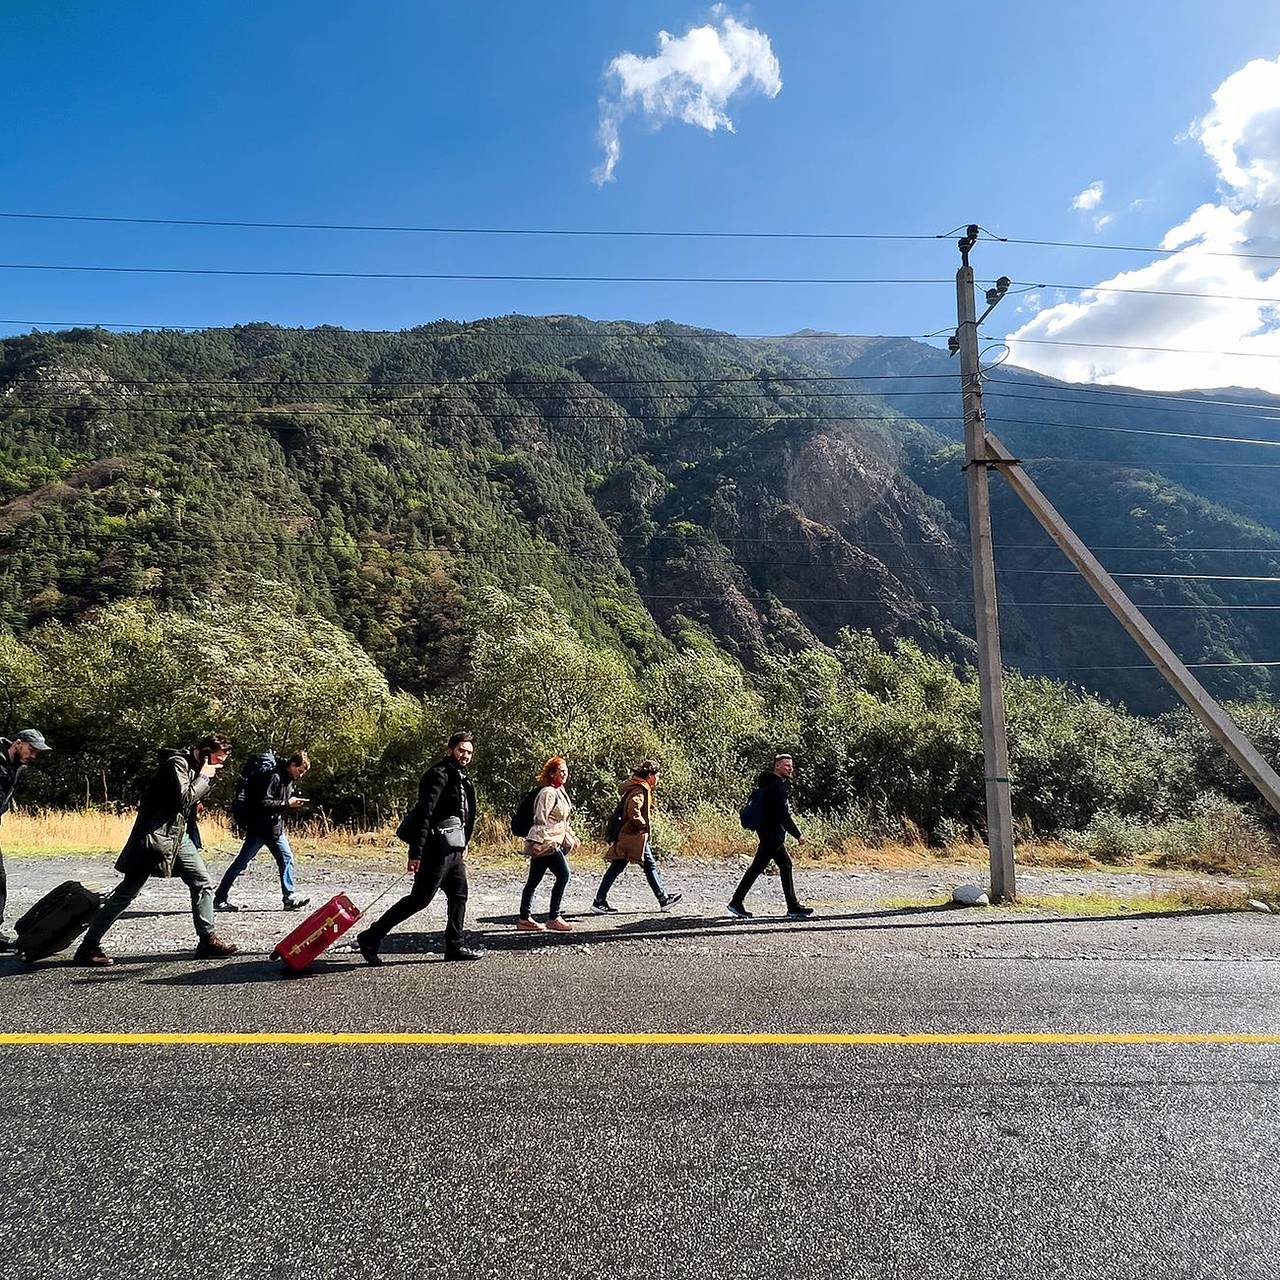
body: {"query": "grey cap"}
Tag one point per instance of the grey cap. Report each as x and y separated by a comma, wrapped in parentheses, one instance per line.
(33, 738)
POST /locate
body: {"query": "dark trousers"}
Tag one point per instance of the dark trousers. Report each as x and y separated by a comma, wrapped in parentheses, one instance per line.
(558, 865)
(772, 849)
(448, 874)
(4, 886)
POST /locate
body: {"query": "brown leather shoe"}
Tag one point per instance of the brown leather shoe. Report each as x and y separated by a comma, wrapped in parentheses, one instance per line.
(96, 958)
(213, 946)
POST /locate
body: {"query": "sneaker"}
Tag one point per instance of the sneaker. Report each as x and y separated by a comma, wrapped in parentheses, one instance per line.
(225, 904)
(368, 948)
(213, 946)
(463, 953)
(525, 925)
(558, 924)
(670, 900)
(739, 913)
(603, 909)
(94, 957)
(799, 913)
(295, 902)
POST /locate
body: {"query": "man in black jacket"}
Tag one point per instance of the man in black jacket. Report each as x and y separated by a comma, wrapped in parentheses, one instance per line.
(15, 755)
(437, 831)
(264, 826)
(776, 823)
(165, 841)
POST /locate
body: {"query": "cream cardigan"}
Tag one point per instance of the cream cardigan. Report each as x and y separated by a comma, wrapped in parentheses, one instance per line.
(551, 810)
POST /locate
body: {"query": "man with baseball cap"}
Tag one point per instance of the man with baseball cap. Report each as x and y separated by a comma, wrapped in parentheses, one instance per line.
(15, 755)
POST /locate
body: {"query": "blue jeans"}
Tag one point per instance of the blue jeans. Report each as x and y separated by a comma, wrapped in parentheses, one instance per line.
(617, 868)
(254, 842)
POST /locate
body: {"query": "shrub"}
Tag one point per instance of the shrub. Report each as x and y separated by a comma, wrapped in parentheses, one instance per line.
(1111, 838)
(1219, 836)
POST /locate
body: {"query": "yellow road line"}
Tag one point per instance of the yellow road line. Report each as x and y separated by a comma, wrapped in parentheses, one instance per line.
(626, 1039)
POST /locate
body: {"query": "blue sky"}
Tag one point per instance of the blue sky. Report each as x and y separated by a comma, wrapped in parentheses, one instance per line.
(901, 118)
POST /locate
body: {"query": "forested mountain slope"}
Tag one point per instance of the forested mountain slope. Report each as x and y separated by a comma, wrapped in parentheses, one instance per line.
(662, 483)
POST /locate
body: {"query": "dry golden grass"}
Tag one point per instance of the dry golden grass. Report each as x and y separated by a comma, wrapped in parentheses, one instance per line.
(55, 831)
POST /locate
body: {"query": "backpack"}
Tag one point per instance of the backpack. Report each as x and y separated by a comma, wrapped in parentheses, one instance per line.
(251, 787)
(522, 819)
(613, 828)
(753, 811)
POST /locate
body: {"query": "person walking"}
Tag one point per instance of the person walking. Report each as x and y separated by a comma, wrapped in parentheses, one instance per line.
(165, 841)
(264, 827)
(774, 824)
(633, 843)
(15, 755)
(437, 831)
(547, 846)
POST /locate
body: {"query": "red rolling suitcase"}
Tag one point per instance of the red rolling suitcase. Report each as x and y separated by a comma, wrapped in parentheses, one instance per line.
(317, 933)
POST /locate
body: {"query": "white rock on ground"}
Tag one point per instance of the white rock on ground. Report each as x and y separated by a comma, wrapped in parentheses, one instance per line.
(1256, 904)
(970, 895)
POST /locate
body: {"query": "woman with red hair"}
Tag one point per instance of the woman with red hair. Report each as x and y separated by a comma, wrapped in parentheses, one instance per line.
(547, 846)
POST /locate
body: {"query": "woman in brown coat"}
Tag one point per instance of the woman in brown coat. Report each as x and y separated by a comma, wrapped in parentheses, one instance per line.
(633, 843)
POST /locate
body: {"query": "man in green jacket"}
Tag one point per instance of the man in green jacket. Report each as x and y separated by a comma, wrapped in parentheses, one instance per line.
(165, 841)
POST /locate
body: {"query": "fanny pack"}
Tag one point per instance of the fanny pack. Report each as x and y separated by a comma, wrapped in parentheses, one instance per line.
(451, 835)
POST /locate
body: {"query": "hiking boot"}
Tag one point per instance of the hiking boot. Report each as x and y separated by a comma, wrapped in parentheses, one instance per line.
(225, 904)
(93, 957)
(463, 953)
(213, 947)
(739, 913)
(558, 924)
(670, 900)
(799, 913)
(603, 909)
(295, 902)
(525, 925)
(367, 946)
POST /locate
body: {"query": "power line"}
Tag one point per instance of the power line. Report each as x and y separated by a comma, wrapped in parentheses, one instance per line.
(577, 384)
(1126, 346)
(1153, 293)
(1092, 391)
(1271, 414)
(1139, 431)
(462, 275)
(1134, 248)
(476, 231)
(1153, 467)
(468, 329)
(613, 233)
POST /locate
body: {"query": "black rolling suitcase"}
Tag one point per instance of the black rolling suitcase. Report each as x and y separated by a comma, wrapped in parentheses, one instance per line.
(56, 921)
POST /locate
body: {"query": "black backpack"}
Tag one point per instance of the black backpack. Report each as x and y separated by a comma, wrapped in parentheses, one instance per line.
(522, 819)
(251, 787)
(613, 828)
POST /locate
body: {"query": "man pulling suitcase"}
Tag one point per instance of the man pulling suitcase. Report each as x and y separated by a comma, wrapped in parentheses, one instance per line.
(437, 831)
(165, 841)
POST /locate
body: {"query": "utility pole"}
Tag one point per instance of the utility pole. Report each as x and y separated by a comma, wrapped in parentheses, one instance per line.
(982, 451)
(995, 742)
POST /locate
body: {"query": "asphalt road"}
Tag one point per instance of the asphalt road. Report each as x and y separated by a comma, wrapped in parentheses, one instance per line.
(383, 1159)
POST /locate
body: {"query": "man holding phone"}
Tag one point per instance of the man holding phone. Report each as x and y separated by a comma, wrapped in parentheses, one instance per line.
(165, 841)
(264, 827)
(437, 831)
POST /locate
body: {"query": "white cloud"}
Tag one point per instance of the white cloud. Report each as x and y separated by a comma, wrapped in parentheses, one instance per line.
(1241, 135)
(691, 79)
(1090, 197)
(1102, 220)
